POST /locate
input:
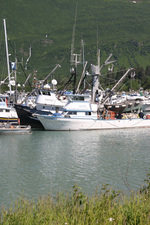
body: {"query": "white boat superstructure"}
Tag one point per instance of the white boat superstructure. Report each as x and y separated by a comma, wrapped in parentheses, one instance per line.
(47, 100)
(136, 101)
(78, 110)
(26, 101)
(128, 103)
(146, 106)
(7, 112)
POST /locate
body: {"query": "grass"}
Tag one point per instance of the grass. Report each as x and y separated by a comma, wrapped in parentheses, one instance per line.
(107, 207)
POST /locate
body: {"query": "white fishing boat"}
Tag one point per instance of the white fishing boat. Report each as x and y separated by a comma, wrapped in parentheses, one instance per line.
(82, 113)
(87, 118)
(46, 102)
(7, 112)
(42, 99)
(8, 128)
(62, 123)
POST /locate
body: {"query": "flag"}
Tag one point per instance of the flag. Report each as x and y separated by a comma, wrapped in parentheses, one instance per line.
(12, 65)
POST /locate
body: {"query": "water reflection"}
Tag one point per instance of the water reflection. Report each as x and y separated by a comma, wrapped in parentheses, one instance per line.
(54, 161)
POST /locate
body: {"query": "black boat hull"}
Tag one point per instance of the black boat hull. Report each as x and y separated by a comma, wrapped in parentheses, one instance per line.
(26, 118)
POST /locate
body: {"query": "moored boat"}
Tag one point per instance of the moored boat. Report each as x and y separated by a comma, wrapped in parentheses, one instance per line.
(8, 128)
(7, 112)
(81, 114)
(61, 122)
(46, 102)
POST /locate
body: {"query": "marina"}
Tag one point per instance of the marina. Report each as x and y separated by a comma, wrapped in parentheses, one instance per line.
(103, 146)
(75, 112)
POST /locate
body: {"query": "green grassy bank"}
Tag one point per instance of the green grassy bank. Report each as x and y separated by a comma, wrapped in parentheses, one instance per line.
(107, 207)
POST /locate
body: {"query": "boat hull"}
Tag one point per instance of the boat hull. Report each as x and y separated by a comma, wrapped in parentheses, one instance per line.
(15, 130)
(7, 119)
(70, 124)
(26, 118)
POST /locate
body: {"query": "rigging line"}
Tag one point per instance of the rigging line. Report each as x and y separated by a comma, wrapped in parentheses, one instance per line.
(111, 79)
(62, 86)
(3, 60)
(2, 34)
(114, 72)
(21, 66)
(122, 86)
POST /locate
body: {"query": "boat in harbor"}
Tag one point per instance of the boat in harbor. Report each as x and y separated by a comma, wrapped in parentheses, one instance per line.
(127, 103)
(7, 112)
(46, 102)
(10, 128)
(82, 115)
(62, 123)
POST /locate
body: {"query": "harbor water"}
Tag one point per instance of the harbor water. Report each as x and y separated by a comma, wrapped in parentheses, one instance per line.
(50, 162)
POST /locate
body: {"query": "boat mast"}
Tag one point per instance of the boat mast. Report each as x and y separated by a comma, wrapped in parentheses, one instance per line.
(75, 58)
(82, 44)
(95, 74)
(7, 55)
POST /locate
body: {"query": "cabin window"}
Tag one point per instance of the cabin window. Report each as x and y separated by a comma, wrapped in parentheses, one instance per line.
(72, 113)
(88, 113)
(77, 98)
(1, 110)
(7, 110)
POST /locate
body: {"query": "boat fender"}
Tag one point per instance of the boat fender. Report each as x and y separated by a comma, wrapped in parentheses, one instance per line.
(18, 121)
(147, 116)
(7, 102)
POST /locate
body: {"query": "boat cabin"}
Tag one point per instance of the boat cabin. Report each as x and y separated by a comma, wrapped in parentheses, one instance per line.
(80, 105)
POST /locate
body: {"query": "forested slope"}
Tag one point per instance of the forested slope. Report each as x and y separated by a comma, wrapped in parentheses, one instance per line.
(120, 27)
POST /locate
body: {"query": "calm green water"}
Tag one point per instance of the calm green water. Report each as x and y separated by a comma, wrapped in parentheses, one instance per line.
(45, 161)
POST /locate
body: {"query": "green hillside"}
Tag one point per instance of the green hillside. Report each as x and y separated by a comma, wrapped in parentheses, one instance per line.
(120, 27)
